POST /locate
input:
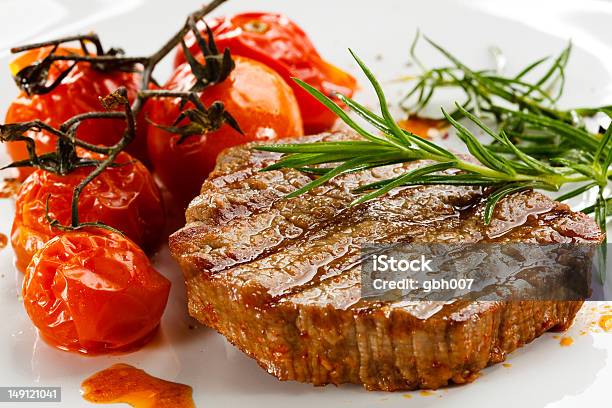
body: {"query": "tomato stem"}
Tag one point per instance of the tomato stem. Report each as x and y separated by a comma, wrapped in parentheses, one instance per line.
(82, 38)
(33, 79)
(119, 97)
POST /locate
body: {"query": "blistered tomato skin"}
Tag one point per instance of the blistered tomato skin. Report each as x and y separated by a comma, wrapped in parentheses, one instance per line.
(124, 197)
(78, 93)
(276, 41)
(257, 97)
(94, 291)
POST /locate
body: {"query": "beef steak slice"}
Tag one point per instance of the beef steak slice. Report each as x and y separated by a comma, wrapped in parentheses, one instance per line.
(280, 279)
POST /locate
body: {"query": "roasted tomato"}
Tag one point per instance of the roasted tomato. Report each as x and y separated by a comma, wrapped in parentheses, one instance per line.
(94, 291)
(279, 43)
(77, 93)
(256, 96)
(124, 197)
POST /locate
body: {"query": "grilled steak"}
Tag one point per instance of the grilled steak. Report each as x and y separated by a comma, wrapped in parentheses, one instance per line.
(280, 278)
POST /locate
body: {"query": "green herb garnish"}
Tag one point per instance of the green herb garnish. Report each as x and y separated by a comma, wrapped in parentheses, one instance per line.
(396, 145)
(527, 112)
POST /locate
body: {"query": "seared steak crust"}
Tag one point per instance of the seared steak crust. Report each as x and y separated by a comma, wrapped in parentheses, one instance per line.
(280, 277)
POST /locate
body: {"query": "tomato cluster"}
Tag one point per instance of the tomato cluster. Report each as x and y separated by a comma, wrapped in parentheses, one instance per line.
(78, 92)
(261, 102)
(276, 41)
(94, 290)
(269, 50)
(90, 291)
(124, 197)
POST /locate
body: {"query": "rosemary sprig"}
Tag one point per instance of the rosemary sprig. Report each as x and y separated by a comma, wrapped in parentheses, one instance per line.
(526, 111)
(395, 145)
(481, 87)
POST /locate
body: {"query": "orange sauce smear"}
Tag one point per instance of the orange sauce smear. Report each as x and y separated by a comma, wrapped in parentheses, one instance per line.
(566, 341)
(9, 188)
(3, 241)
(507, 365)
(422, 126)
(122, 383)
(426, 393)
(605, 322)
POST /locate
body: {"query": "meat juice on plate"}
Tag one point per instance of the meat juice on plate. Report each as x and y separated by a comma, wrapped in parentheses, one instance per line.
(122, 383)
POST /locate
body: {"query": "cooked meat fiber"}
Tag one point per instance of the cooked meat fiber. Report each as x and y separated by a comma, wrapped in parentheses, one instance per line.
(280, 278)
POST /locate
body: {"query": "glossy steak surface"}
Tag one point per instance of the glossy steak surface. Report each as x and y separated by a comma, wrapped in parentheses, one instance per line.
(280, 277)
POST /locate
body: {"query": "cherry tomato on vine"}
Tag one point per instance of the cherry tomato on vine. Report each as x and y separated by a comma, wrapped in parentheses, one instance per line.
(77, 93)
(124, 197)
(257, 98)
(278, 42)
(94, 291)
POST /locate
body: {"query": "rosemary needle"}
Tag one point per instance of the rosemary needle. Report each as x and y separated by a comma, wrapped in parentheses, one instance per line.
(396, 145)
(526, 111)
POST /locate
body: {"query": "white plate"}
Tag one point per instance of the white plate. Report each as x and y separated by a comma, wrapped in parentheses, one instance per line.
(542, 373)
